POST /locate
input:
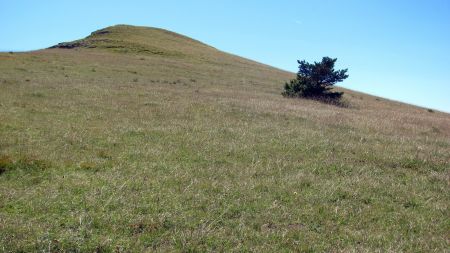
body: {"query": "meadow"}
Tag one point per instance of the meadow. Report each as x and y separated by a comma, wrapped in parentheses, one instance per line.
(142, 140)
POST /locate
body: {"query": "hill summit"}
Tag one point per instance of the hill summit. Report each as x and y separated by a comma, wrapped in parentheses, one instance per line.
(142, 40)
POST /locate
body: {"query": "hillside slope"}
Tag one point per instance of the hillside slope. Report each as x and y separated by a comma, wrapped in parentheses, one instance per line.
(140, 139)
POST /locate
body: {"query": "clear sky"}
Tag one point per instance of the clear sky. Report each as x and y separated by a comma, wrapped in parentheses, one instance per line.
(395, 49)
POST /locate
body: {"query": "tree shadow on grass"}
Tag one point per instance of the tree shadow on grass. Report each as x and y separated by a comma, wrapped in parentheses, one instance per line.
(330, 100)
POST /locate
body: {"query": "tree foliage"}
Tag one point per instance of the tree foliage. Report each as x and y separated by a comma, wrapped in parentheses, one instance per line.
(315, 80)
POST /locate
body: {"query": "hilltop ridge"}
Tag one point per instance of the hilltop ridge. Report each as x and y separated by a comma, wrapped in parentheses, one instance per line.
(135, 39)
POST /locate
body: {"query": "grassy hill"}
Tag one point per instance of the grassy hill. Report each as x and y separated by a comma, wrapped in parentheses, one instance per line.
(139, 139)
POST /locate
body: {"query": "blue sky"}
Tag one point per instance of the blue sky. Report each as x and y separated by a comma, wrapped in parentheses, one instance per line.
(394, 49)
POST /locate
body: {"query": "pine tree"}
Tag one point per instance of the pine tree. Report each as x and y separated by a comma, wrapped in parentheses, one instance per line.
(316, 80)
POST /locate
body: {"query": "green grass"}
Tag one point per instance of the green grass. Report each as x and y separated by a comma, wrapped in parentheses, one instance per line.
(196, 150)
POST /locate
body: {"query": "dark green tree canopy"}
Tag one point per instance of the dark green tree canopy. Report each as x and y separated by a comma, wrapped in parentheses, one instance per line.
(315, 80)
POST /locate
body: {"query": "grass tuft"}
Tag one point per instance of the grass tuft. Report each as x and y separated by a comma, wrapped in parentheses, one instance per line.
(7, 164)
